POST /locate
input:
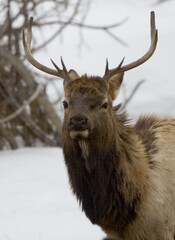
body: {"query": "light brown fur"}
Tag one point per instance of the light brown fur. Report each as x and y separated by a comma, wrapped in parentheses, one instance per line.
(146, 168)
(159, 199)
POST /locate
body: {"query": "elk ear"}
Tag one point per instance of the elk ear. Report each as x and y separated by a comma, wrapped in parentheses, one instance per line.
(73, 74)
(114, 84)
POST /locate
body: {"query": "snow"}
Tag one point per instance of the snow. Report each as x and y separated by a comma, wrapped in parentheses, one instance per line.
(35, 198)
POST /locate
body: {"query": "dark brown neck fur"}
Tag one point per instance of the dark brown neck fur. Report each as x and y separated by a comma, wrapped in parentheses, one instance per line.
(111, 192)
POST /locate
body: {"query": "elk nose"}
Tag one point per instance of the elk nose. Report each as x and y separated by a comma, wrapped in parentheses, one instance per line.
(78, 122)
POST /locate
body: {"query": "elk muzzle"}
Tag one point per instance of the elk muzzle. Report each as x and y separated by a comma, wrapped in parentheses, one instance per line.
(79, 127)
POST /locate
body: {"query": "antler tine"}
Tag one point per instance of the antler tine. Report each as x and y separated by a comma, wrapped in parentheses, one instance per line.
(29, 56)
(110, 72)
(145, 57)
(63, 65)
(153, 25)
(29, 32)
(106, 68)
(62, 73)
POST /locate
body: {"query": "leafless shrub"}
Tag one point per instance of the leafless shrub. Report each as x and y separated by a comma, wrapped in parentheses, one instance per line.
(23, 117)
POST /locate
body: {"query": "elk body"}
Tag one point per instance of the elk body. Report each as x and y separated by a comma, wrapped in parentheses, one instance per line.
(122, 175)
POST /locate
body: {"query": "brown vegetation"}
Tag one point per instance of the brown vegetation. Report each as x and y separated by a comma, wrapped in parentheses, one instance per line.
(27, 116)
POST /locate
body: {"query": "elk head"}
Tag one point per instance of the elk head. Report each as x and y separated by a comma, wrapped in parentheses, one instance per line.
(88, 100)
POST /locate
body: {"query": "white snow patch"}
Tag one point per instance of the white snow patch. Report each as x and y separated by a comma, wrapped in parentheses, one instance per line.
(36, 200)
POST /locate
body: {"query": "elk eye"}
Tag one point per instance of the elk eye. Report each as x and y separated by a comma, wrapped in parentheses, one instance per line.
(105, 105)
(65, 104)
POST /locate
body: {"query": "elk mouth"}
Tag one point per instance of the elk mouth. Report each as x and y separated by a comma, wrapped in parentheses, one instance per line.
(79, 135)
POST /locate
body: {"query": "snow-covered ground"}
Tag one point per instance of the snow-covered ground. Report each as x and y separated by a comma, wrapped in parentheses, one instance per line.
(36, 202)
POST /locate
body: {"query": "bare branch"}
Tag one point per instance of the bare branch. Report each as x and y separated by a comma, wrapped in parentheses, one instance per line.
(161, 1)
(63, 26)
(42, 100)
(83, 25)
(116, 38)
(23, 107)
(8, 137)
(131, 94)
(88, 26)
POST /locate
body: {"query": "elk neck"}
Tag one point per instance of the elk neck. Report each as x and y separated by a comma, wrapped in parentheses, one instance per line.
(116, 160)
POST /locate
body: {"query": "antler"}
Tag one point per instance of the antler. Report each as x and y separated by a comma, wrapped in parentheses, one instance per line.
(63, 73)
(154, 37)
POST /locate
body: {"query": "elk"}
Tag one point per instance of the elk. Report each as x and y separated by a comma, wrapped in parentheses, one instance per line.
(123, 175)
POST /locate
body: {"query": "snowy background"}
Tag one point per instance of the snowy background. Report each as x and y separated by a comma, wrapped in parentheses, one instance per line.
(36, 202)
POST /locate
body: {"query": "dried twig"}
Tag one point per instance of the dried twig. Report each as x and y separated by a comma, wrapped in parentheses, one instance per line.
(8, 137)
(83, 25)
(131, 95)
(23, 107)
(42, 100)
(161, 1)
(116, 38)
(63, 26)
(105, 28)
